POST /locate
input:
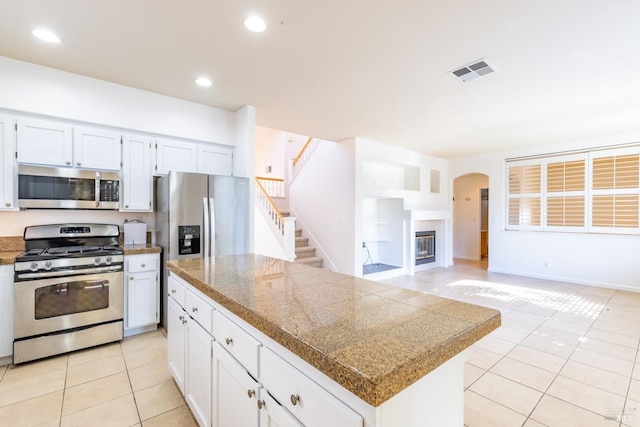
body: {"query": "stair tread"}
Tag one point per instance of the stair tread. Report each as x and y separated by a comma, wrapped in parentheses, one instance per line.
(308, 260)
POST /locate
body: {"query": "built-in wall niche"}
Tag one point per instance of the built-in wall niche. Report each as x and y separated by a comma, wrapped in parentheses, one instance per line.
(382, 234)
(388, 175)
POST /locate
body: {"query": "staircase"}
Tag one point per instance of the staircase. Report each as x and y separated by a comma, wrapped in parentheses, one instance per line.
(305, 254)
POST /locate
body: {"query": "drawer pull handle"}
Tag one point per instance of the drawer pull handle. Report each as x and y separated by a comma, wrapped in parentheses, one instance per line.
(194, 309)
(79, 164)
(251, 393)
(229, 341)
(295, 399)
(7, 205)
(261, 404)
(184, 321)
(130, 277)
(181, 318)
(173, 291)
(143, 266)
(68, 163)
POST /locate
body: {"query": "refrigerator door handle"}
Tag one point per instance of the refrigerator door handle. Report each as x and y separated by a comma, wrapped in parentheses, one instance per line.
(212, 213)
(207, 234)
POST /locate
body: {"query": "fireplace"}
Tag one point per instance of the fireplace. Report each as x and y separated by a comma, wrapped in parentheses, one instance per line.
(425, 247)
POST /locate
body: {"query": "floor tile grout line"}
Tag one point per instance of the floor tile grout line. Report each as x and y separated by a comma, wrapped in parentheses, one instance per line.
(626, 400)
(566, 360)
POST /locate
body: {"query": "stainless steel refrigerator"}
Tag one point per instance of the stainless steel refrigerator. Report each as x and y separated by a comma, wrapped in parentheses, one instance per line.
(200, 215)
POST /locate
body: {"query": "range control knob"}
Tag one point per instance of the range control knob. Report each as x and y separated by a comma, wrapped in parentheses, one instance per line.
(33, 266)
(108, 260)
(97, 260)
(48, 265)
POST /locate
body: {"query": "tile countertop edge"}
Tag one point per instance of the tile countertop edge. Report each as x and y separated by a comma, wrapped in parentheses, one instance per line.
(141, 249)
(373, 391)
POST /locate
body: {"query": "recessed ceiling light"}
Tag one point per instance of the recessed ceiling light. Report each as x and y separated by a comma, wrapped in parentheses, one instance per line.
(255, 23)
(46, 35)
(203, 81)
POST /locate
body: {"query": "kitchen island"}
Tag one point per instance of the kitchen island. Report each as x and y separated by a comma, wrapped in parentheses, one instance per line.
(394, 356)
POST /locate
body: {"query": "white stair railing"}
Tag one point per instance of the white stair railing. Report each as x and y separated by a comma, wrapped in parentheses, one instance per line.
(274, 187)
(283, 227)
(303, 156)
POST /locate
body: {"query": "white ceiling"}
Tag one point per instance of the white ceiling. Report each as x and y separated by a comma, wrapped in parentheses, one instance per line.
(375, 69)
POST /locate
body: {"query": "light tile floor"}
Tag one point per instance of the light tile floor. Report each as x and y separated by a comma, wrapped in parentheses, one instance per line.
(120, 384)
(565, 355)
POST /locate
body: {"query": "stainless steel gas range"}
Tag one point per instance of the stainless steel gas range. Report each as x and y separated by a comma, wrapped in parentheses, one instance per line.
(69, 289)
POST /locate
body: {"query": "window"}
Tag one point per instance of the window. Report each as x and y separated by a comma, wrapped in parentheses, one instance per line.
(598, 191)
(524, 195)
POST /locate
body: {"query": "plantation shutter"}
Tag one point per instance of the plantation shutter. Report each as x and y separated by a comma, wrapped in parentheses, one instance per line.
(565, 201)
(524, 195)
(615, 191)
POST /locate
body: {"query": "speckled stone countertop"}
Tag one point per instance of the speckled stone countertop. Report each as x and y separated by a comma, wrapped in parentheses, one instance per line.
(141, 249)
(10, 248)
(373, 339)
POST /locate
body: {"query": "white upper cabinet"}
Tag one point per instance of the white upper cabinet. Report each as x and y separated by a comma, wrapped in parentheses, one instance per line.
(178, 156)
(44, 143)
(96, 149)
(136, 192)
(215, 160)
(7, 168)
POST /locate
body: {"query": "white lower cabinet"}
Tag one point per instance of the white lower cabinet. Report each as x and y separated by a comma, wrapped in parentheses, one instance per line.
(235, 396)
(176, 341)
(229, 378)
(6, 314)
(273, 414)
(198, 381)
(307, 401)
(142, 293)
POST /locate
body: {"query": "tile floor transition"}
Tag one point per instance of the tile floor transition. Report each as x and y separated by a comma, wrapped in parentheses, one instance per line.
(565, 356)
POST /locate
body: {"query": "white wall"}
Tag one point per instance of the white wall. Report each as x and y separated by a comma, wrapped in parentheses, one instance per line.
(270, 144)
(35, 89)
(31, 90)
(322, 197)
(467, 215)
(596, 259)
(370, 153)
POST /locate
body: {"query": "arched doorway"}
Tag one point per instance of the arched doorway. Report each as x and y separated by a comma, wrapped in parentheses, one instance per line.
(471, 217)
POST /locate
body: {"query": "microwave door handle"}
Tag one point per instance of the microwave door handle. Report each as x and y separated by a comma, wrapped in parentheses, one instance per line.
(97, 190)
(205, 210)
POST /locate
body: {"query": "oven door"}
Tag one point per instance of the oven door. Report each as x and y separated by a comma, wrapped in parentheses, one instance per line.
(51, 305)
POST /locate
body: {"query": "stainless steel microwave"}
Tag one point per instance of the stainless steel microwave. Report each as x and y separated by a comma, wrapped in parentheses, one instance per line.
(62, 188)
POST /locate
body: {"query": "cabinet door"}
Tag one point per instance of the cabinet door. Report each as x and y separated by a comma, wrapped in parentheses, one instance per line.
(215, 160)
(198, 383)
(176, 156)
(96, 149)
(142, 296)
(6, 310)
(235, 397)
(7, 165)
(44, 143)
(272, 414)
(176, 341)
(137, 178)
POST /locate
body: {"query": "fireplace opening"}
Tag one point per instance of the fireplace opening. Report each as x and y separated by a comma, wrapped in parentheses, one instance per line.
(425, 247)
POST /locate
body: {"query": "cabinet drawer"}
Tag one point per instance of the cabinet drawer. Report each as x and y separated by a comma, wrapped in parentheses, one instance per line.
(236, 341)
(199, 310)
(137, 263)
(305, 399)
(177, 291)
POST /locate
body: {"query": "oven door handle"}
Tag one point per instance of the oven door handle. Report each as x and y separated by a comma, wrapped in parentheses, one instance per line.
(59, 273)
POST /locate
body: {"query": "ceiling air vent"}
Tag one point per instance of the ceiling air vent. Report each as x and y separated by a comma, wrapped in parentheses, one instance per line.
(473, 70)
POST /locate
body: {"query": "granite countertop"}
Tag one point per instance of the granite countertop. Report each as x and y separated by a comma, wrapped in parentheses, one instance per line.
(373, 339)
(141, 249)
(10, 248)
